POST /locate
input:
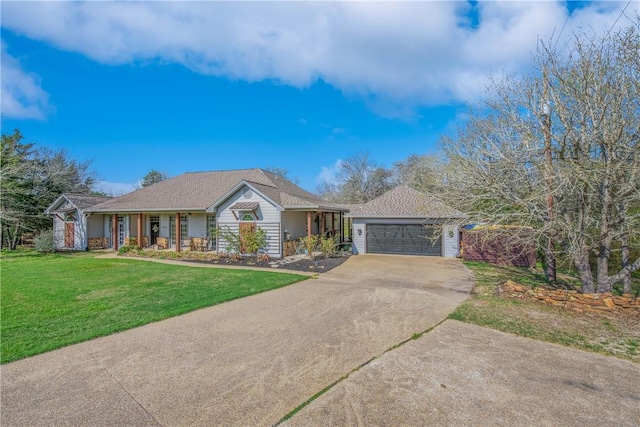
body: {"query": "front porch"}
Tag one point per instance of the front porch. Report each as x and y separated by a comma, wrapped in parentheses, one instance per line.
(194, 231)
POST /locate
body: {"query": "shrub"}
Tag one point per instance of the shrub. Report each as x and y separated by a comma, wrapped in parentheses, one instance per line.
(245, 242)
(253, 241)
(129, 249)
(45, 241)
(328, 246)
(230, 238)
(310, 242)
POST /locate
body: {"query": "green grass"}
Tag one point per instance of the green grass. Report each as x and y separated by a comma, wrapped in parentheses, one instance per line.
(613, 335)
(50, 301)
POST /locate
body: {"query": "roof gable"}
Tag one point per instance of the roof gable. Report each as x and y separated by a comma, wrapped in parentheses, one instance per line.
(257, 188)
(405, 202)
(77, 201)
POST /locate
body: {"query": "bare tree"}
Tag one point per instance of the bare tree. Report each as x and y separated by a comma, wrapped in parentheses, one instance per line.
(359, 180)
(584, 103)
(282, 173)
(422, 172)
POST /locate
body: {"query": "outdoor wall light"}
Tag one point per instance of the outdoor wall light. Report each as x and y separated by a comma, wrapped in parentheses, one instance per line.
(359, 231)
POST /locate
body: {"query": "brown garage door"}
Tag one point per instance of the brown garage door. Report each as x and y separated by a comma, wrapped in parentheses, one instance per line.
(407, 239)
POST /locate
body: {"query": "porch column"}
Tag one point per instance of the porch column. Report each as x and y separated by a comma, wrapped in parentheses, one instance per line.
(308, 223)
(333, 223)
(140, 230)
(322, 224)
(114, 231)
(178, 236)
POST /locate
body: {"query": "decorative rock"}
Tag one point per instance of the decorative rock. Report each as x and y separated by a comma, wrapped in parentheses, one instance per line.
(573, 300)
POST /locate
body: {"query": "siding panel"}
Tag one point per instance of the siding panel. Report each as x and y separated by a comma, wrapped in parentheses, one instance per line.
(295, 223)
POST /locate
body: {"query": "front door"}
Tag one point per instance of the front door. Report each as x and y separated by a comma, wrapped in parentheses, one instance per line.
(245, 229)
(155, 232)
(69, 235)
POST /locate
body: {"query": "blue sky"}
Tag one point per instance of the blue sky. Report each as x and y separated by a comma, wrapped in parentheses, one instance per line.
(177, 86)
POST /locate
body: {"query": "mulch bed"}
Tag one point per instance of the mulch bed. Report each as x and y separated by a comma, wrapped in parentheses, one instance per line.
(320, 265)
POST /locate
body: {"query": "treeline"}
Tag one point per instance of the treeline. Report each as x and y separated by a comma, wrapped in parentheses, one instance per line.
(31, 178)
(361, 178)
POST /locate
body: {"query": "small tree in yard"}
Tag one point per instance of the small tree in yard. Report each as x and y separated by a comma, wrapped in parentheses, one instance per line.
(246, 242)
(559, 150)
(252, 241)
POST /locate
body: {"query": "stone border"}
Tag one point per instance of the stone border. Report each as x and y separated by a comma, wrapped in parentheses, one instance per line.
(573, 300)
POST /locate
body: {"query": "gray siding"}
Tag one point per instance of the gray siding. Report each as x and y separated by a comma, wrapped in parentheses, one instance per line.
(268, 218)
(94, 226)
(58, 231)
(198, 225)
(267, 212)
(295, 223)
(451, 242)
(274, 247)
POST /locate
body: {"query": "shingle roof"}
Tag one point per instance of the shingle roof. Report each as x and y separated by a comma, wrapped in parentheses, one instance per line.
(84, 201)
(79, 201)
(200, 190)
(404, 202)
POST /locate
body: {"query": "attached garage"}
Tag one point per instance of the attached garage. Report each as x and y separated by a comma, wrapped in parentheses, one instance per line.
(405, 221)
(406, 239)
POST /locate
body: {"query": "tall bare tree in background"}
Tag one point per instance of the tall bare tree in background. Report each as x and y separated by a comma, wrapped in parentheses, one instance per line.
(586, 100)
(424, 173)
(359, 180)
(282, 173)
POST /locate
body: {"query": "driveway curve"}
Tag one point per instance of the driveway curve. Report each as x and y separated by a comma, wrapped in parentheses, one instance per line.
(245, 362)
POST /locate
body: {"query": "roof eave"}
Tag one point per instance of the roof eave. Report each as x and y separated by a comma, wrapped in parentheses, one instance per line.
(456, 216)
(56, 202)
(144, 210)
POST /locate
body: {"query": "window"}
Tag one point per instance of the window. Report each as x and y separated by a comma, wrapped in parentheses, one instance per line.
(247, 216)
(184, 227)
(154, 218)
(211, 224)
(69, 218)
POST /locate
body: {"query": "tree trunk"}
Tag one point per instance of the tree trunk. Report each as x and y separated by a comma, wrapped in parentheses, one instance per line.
(550, 263)
(626, 280)
(13, 237)
(581, 262)
(604, 283)
(604, 252)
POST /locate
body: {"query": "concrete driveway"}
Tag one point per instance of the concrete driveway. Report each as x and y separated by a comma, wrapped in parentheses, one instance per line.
(245, 362)
(464, 375)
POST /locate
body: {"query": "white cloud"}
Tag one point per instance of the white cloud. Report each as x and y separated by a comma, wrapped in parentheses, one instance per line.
(116, 188)
(329, 173)
(21, 95)
(394, 55)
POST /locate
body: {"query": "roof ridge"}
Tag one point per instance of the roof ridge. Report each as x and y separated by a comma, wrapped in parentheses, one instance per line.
(219, 170)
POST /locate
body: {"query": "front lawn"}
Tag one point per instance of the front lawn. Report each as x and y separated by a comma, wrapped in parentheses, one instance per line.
(614, 334)
(50, 301)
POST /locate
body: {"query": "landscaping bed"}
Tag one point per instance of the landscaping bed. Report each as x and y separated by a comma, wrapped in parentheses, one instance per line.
(319, 264)
(527, 307)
